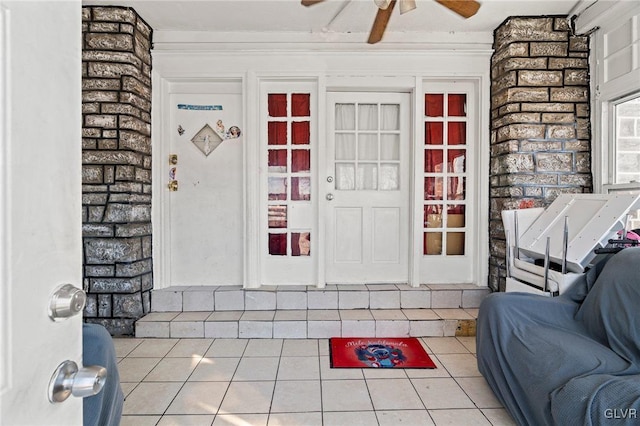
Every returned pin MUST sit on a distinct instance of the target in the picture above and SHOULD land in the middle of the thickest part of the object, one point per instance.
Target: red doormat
(375, 352)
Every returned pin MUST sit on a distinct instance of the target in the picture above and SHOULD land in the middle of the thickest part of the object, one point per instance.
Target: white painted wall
(615, 71)
(181, 61)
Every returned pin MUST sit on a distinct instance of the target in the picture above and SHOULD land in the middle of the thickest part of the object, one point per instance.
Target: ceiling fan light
(382, 4)
(407, 6)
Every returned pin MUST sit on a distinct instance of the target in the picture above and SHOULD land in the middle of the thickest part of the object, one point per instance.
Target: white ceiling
(289, 16)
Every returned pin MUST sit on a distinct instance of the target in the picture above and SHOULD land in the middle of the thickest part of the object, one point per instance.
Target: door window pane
(367, 177)
(300, 133)
(390, 115)
(300, 188)
(300, 243)
(433, 160)
(457, 105)
(278, 160)
(432, 243)
(345, 176)
(368, 117)
(456, 188)
(278, 244)
(457, 133)
(300, 105)
(345, 117)
(455, 217)
(390, 147)
(455, 243)
(300, 160)
(434, 105)
(277, 133)
(345, 146)
(368, 147)
(433, 133)
(277, 216)
(277, 104)
(627, 141)
(433, 187)
(389, 177)
(277, 188)
(456, 162)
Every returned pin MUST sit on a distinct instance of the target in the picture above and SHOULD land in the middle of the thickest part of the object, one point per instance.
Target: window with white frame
(626, 144)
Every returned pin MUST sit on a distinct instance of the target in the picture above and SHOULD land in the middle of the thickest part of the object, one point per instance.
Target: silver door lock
(69, 380)
(66, 302)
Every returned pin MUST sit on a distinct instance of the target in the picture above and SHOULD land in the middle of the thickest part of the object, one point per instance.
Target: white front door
(40, 204)
(367, 187)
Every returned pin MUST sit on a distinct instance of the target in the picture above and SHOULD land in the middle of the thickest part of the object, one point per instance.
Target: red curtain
(278, 244)
(300, 105)
(300, 134)
(277, 133)
(277, 104)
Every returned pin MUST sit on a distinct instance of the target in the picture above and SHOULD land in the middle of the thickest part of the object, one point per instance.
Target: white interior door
(367, 187)
(205, 227)
(40, 210)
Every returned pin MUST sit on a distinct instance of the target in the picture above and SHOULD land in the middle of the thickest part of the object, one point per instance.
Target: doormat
(376, 352)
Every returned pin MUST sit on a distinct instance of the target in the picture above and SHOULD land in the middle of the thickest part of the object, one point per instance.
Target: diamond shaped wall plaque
(207, 140)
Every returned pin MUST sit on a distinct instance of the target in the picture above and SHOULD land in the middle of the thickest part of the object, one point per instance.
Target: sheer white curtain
(360, 148)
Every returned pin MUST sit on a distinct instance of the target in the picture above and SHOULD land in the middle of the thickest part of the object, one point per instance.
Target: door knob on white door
(68, 380)
(66, 302)
(329, 197)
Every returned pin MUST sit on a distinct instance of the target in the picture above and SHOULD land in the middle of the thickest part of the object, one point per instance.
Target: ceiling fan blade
(310, 2)
(380, 23)
(464, 8)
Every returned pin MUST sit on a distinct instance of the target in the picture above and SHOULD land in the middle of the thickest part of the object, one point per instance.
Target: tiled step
(372, 296)
(308, 312)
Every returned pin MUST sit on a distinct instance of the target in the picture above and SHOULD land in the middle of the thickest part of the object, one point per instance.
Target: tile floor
(288, 382)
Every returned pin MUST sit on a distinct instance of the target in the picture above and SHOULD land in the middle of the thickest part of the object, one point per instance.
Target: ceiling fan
(464, 8)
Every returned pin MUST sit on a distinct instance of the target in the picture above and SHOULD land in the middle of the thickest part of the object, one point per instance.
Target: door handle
(66, 302)
(329, 197)
(69, 380)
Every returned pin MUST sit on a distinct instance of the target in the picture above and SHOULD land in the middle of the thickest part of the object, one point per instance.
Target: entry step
(303, 324)
(332, 297)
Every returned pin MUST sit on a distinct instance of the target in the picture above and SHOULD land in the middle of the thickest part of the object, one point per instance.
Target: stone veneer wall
(116, 170)
(540, 135)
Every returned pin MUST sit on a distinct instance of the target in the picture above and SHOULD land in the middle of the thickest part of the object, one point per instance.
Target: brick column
(540, 135)
(116, 171)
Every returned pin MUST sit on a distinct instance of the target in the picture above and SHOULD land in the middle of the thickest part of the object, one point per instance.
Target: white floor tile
(215, 370)
(358, 328)
(124, 346)
(187, 348)
(153, 348)
(139, 420)
(241, 420)
(392, 328)
(181, 329)
(419, 373)
(290, 329)
(479, 392)
(323, 329)
(306, 347)
(227, 348)
(460, 365)
(469, 343)
(498, 417)
(404, 417)
(438, 393)
(459, 417)
(352, 418)
(345, 395)
(172, 370)
(135, 369)
(186, 420)
(445, 345)
(254, 368)
(291, 396)
(150, 398)
(295, 419)
(198, 398)
(403, 396)
(221, 330)
(262, 347)
(248, 397)
(299, 368)
(255, 329)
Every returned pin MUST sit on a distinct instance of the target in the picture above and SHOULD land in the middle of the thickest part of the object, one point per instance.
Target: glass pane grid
(445, 172)
(289, 170)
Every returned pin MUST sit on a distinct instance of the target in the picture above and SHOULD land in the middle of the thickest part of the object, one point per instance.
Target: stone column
(540, 134)
(116, 171)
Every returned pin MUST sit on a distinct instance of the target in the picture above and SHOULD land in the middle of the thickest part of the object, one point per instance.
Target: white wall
(178, 60)
(615, 71)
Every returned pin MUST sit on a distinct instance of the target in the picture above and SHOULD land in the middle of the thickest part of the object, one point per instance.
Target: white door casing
(367, 187)
(40, 204)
